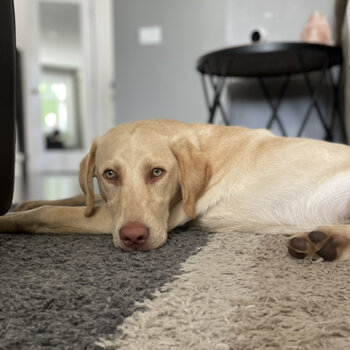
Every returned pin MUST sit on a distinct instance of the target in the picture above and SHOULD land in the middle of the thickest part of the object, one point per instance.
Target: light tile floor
(46, 187)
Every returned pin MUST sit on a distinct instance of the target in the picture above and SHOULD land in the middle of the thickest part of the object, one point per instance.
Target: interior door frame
(98, 107)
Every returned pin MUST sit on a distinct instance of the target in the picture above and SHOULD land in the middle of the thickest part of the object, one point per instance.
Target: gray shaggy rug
(199, 291)
(68, 291)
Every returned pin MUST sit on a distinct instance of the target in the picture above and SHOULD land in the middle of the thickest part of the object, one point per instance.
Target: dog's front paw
(327, 245)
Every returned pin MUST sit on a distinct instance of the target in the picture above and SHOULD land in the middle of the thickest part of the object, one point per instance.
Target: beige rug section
(243, 291)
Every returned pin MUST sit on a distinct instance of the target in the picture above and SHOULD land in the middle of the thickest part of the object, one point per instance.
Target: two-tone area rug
(199, 291)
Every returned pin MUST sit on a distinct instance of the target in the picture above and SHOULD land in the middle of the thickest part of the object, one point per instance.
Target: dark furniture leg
(20, 116)
(7, 103)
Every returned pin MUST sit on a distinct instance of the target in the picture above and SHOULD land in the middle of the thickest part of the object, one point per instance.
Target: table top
(269, 59)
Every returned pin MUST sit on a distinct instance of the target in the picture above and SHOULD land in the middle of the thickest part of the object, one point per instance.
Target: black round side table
(275, 59)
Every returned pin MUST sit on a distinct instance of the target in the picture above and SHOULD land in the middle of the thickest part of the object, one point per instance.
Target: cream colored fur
(225, 178)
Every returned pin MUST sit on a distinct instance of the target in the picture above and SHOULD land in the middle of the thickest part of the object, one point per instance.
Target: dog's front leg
(177, 216)
(71, 202)
(56, 219)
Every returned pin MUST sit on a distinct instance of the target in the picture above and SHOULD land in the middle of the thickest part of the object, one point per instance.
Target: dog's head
(143, 170)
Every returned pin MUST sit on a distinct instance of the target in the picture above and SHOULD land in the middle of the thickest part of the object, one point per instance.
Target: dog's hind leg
(328, 242)
(72, 202)
(58, 219)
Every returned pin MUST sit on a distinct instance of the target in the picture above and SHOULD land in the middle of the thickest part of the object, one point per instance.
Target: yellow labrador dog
(158, 174)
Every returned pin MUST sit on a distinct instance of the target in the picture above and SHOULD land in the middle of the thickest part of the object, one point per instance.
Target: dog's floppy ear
(86, 175)
(195, 173)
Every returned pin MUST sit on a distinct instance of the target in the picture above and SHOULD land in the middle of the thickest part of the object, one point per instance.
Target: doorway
(67, 100)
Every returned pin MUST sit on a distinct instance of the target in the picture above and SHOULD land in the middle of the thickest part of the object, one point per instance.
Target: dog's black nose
(134, 235)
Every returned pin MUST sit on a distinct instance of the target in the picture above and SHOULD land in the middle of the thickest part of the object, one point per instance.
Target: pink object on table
(318, 30)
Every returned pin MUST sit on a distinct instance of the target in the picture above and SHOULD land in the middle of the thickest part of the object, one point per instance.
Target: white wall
(161, 81)
(282, 20)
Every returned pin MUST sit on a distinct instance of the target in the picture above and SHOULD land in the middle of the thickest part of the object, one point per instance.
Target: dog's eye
(110, 174)
(157, 172)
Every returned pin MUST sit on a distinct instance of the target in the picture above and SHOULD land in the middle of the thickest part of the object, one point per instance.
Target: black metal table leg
(275, 106)
(218, 88)
(217, 85)
(314, 94)
(337, 105)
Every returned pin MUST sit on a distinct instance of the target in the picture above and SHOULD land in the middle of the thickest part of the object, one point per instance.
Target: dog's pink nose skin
(134, 235)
